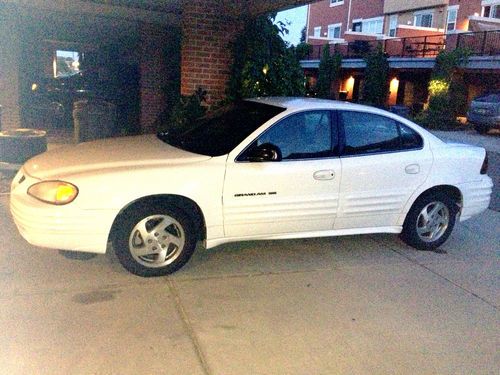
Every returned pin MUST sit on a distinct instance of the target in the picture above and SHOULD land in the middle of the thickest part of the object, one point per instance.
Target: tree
(376, 88)
(328, 72)
(263, 64)
(303, 34)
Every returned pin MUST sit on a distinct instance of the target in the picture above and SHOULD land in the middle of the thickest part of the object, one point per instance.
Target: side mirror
(264, 152)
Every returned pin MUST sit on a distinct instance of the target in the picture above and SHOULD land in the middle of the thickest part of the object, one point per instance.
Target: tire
(154, 239)
(19, 145)
(428, 233)
(481, 129)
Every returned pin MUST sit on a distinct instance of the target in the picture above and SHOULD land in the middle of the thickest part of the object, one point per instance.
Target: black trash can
(19, 145)
(93, 119)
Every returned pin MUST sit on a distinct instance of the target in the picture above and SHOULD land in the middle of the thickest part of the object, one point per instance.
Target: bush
(447, 92)
(376, 88)
(187, 109)
(302, 51)
(328, 72)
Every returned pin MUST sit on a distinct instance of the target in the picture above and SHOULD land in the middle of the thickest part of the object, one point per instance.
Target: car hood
(143, 151)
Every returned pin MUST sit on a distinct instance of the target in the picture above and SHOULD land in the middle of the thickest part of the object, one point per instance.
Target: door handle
(326, 174)
(412, 169)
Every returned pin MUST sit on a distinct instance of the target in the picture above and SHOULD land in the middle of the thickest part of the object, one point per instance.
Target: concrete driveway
(345, 305)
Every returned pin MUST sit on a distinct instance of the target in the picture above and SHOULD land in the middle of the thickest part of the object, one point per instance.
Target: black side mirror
(264, 152)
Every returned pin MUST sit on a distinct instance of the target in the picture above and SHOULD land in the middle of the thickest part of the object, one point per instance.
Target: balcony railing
(479, 43)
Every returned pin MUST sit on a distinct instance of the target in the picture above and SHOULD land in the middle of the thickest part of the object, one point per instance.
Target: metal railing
(479, 43)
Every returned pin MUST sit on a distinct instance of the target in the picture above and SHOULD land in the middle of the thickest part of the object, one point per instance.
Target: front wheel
(154, 240)
(429, 222)
(481, 129)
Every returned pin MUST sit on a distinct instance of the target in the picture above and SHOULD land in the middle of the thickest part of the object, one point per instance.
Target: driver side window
(306, 135)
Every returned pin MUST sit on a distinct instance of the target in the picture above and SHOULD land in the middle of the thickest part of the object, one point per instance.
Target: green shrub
(447, 92)
(328, 72)
(187, 109)
(376, 87)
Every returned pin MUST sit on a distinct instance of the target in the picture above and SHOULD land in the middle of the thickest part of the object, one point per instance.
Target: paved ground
(345, 305)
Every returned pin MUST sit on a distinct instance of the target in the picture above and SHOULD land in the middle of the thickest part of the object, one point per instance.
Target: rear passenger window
(367, 133)
(410, 139)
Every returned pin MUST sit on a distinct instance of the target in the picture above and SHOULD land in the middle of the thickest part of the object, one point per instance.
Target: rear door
(383, 163)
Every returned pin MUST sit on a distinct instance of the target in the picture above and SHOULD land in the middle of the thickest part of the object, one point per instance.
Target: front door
(298, 193)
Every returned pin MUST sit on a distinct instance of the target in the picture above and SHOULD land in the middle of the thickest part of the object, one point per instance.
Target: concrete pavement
(345, 305)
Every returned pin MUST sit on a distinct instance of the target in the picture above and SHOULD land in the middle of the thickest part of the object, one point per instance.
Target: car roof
(298, 103)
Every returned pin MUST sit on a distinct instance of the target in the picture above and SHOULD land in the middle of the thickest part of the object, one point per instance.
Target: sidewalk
(344, 305)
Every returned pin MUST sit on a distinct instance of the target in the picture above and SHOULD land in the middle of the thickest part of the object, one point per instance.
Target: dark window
(489, 98)
(302, 136)
(357, 26)
(220, 133)
(369, 133)
(410, 139)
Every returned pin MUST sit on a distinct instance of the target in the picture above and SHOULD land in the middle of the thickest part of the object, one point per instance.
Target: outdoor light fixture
(394, 85)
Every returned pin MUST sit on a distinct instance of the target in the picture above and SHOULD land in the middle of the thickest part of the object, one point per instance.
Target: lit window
(67, 63)
(451, 21)
(334, 31)
(423, 19)
(317, 32)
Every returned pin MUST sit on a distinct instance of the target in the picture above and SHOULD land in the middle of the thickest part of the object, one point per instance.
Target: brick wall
(322, 14)
(9, 68)
(466, 8)
(156, 69)
(366, 9)
(207, 31)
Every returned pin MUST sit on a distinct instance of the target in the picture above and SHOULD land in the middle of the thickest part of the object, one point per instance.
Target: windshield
(493, 97)
(220, 133)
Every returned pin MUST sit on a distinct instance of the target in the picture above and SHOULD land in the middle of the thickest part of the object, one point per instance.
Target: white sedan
(268, 168)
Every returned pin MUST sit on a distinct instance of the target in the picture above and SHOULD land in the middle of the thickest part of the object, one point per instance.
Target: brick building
(333, 20)
(411, 34)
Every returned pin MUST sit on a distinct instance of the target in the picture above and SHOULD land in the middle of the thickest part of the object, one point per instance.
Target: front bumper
(476, 197)
(59, 227)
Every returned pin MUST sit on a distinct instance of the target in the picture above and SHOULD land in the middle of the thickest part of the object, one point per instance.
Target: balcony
(483, 43)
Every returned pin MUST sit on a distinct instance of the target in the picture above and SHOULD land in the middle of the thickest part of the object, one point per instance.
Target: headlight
(54, 192)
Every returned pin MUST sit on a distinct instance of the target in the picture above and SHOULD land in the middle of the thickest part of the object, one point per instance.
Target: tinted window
(489, 98)
(369, 133)
(410, 139)
(224, 130)
(302, 136)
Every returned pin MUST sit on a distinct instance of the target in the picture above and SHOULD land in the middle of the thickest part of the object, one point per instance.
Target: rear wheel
(154, 239)
(430, 221)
